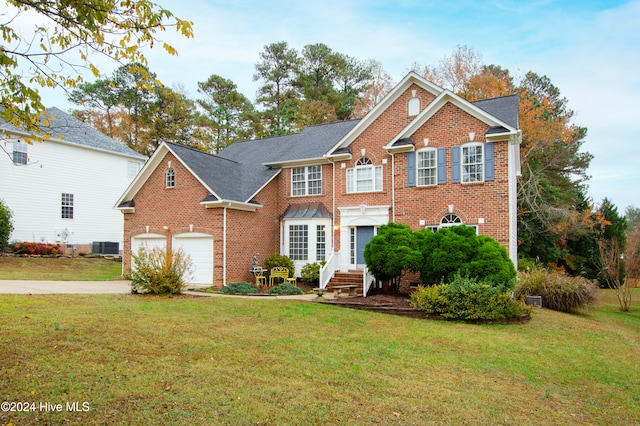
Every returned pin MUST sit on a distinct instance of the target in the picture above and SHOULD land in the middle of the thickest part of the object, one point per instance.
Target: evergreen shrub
(459, 251)
(241, 288)
(6, 225)
(468, 299)
(310, 273)
(285, 289)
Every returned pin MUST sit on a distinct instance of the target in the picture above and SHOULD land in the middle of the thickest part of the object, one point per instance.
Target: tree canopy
(65, 38)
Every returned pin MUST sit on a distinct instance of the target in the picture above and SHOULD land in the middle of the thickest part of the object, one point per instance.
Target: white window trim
(434, 151)
(307, 171)
(312, 239)
(463, 174)
(22, 148)
(170, 183)
(376, 178)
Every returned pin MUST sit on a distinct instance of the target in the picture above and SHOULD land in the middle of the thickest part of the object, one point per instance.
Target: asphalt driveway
(64, 287)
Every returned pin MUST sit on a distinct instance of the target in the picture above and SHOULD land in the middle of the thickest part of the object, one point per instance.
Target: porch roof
(306, 211)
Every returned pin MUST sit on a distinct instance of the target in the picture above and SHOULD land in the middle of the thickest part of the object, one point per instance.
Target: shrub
(6, 225)
(559, 291)
(310, 273)
(458, 250)
(157, 271)
(392, 251)
(468, 299)
(285, 289)
(279, 260)
(242, 288)
(37, 249)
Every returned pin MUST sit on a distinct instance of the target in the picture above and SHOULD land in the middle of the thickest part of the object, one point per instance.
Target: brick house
(423, 157)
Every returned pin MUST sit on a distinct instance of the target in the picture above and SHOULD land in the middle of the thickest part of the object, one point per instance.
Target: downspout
(333, 204)
(224, 246)
(393, 188)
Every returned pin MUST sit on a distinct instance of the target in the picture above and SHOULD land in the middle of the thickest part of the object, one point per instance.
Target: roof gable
(390, 98)
(505, 107)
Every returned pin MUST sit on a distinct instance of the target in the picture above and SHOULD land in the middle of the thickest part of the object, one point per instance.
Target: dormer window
(170, 178)
(364, 177)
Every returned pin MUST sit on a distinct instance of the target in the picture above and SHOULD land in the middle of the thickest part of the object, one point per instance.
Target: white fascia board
(445, 97)
(297, 163)
(391, 97)
(236, 205)
(399, 149)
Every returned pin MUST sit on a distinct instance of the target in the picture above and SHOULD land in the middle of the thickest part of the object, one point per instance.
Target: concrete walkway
(64, 287)
(113, 287)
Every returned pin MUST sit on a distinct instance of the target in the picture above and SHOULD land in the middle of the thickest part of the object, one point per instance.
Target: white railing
(367, 280)
(326, 272)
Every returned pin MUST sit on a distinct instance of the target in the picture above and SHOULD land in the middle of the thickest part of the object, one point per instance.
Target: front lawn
(59, 268)
(214, 360)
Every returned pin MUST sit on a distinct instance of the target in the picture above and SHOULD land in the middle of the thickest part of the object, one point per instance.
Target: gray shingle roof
(504, 108)
(75, 131)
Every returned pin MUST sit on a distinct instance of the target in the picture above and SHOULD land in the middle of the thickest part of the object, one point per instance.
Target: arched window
(364, 177)
(170, 178)
(450, 220)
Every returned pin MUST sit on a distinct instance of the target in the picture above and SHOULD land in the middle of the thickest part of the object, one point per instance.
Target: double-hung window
(472, 163)
(67, 206)
(364, 177)
(426, 167)
(306, 180)
(20, 152)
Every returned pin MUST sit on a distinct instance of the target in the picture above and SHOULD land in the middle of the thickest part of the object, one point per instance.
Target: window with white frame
(20, 152)
(133, 167)
(426, 167)
(67, 206)
(472, 163)
(364, 177)
(299, 242)
(321, 242)
(170, 178)
(306, 180)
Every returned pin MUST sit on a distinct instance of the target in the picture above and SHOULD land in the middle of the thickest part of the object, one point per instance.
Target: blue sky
(589, 49)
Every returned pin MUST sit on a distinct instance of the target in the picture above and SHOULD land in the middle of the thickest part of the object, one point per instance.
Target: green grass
(59, 268)
(215, 360)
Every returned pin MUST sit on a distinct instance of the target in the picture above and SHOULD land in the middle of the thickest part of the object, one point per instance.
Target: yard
(123, 359)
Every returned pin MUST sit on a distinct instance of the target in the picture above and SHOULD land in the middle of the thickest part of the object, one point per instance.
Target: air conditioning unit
(105, 247)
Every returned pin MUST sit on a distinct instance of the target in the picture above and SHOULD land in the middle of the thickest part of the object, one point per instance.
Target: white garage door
(199, 247)
(148, 241)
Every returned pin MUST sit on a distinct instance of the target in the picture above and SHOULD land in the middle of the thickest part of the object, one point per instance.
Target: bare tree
(612, 267)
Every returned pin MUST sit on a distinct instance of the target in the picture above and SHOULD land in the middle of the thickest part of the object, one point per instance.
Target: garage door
(199, 247)
(148, 241)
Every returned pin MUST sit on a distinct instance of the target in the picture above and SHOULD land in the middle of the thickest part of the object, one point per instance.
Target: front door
(364, 234)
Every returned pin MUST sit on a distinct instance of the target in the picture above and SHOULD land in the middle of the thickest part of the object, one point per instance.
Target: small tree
(6, 225)
(612, 269)
(392, 251)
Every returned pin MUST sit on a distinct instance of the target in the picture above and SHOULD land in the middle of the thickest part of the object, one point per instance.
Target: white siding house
(63, 190)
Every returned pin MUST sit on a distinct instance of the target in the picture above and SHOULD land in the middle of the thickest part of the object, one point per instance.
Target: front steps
(347, 278)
